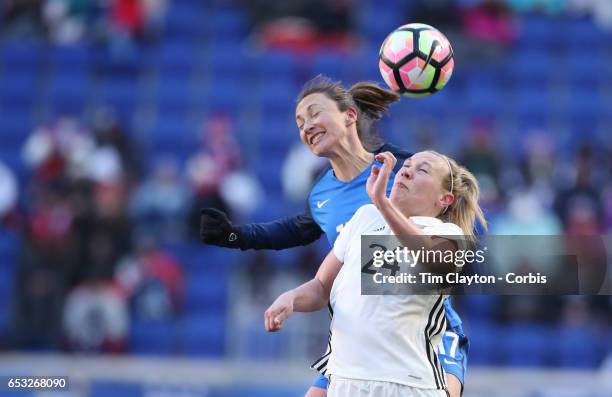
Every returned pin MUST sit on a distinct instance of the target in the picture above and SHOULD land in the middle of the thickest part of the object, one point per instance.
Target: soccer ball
(420, 69)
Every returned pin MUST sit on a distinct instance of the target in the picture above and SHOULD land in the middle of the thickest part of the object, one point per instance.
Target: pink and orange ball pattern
(416, 60)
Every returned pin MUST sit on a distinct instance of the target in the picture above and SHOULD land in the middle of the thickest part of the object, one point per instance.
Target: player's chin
(320, 149)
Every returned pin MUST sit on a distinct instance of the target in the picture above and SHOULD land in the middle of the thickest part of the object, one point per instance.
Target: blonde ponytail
(465, 210)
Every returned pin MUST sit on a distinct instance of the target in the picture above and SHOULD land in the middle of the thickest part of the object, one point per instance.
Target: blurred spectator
(108, 131)
(580, 206)
(526, 214)
(491, 21)
(538, 165)
(480, 156)
(67, 20)
(300, 169)
(218, 155)
(96, 319)
(21, 18)
(303, 26)
(160, 204)
(8, 191)
(601, 10)
(60, 148)
(152, 280)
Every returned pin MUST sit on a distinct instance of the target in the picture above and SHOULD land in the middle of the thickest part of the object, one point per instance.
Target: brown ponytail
(465, 210)
(373, 100)
(368, 98)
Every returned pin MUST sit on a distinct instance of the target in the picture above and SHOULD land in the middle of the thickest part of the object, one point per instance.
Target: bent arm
(308, 297)
(314, 294)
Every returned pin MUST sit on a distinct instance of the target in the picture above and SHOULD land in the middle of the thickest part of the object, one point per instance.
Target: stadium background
(119, 119)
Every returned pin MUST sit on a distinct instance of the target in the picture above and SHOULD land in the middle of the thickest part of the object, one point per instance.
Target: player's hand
(217, 229)
(376, 186)
(278, 312)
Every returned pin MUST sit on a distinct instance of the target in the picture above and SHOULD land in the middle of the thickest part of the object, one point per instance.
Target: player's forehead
(427, 158)
(313, 101)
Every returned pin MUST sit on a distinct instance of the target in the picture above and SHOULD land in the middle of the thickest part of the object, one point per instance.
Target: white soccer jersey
(388, 338)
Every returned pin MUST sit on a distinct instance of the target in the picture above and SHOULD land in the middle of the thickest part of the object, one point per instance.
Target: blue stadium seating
(108, 388)
(22, 57)
(18, 91)
(579, 347)
(525, 346)
(206, 293)
(154, 337)
(203, 335)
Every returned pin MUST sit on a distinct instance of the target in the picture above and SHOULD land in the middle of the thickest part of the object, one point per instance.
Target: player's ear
(446, 200)
(350, 116)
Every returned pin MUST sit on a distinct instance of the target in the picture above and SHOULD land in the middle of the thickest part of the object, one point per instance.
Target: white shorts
(344, 387)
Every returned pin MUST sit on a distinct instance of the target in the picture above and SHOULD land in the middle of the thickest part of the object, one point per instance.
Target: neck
(350, 161)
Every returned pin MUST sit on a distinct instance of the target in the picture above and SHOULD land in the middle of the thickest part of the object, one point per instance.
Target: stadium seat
(229, 22)
(487, 341)
(538, 32)
(121, 94)
(75, 58)
(206, 293)
(585, 36)
(22, 57)
(333, 65)
(173, 136)
(274, 65)
(154, 337)
(176, 57)
(99, 388)
(175, 96)
(525, 345)
(15, 127)
(532, 68)
(184, 21)
(579, 347)
(68, 94)
(18, 91)
(203, 335)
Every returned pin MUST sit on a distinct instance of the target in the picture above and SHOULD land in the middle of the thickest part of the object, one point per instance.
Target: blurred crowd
(94, 218)
(69, 21)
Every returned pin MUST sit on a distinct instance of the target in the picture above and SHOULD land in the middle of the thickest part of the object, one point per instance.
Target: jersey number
(453, 346)
(369, 268)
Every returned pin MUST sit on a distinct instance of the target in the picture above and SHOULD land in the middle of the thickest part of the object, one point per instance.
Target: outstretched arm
(217, 229)
(308, 297)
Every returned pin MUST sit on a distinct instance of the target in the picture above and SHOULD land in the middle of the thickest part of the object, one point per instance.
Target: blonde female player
(385, 345)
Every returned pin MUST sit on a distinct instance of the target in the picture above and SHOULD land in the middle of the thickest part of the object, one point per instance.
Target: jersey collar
(425, 221)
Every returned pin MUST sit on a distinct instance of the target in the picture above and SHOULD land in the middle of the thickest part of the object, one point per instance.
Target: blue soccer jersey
(333, 202)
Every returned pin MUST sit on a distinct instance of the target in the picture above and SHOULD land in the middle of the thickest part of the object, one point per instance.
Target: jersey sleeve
(449, 231)
(280, 234)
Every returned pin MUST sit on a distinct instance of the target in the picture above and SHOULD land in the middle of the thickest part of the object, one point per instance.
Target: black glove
(217, 229)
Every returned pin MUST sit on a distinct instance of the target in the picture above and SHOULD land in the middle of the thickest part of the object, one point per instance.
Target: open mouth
(314, 139)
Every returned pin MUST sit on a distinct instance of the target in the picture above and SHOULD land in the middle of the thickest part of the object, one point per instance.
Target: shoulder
(435, 226)
(366, 211)
(365, 218)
